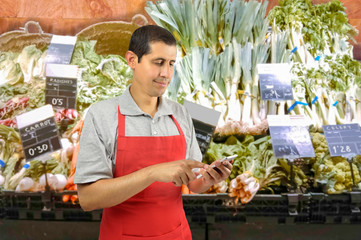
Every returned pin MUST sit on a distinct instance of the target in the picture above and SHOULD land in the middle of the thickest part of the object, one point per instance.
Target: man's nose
(166, 71)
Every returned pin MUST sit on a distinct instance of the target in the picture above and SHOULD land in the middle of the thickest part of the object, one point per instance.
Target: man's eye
(159, 63)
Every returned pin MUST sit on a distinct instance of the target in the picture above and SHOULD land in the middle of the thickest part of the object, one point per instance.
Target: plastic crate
(217, 208)
(195, 206)
(2, 210)
(203, 209)
(337, 208)
(44, 206)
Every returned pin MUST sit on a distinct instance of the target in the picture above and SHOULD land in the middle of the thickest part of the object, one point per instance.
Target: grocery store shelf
(211, 216)
(201, 208)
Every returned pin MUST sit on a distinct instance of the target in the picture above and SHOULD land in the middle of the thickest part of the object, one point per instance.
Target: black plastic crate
(201, 208)
(2, 210)
(336, 208)
(45, 206)
(216, 208)
(195, 206)
(22, 200)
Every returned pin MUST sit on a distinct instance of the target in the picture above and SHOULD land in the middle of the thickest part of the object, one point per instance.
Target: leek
(234, 106)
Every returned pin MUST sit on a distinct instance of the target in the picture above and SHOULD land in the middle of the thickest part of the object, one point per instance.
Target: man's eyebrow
(162, 59)
(158, 59)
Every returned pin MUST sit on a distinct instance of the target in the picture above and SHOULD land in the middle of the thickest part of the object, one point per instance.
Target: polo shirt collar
(128, 106)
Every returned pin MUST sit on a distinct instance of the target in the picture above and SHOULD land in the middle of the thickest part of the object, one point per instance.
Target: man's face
(154, 72)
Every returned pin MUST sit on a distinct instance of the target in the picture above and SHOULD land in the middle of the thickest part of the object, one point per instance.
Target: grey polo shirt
(97, 152)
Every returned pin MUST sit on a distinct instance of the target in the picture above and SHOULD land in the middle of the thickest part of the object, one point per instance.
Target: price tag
(205, 121)
(343, 140)
(275, 81)
(61, 49)
(287, 120)
(290, 136)
(38, 132)
(61, 85)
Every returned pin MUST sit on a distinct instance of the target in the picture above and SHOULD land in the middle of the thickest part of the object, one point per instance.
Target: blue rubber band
(314, 100)
(294, 50)
(295, 104)
(26, 166)
(335, 104)
(2, 163)
(317, 58)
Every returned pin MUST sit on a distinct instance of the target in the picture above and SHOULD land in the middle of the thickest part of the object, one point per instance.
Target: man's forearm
(106, 193)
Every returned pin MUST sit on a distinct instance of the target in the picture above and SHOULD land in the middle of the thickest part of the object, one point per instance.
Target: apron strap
(121, 123)
(178, 127)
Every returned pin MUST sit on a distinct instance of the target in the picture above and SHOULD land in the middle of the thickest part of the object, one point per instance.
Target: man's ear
(131, 58)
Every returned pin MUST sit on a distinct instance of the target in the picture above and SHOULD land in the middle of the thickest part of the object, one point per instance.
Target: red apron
(156, 212)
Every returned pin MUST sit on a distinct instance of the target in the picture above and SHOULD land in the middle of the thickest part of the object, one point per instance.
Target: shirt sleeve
(92, 163)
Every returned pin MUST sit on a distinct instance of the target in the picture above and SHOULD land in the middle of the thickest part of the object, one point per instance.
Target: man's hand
(179, 172)
(220, 172)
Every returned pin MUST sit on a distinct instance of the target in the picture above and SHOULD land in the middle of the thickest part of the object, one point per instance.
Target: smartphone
(229, 158)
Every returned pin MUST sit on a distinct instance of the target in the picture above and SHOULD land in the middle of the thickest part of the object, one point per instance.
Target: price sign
(275, 82)
(205, 121)
(290, 137)
(343, 140)
(38, 132)
(61, 85)
(61, 49)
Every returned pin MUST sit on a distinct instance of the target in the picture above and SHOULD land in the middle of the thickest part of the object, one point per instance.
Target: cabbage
(100, 77)
(10, 71)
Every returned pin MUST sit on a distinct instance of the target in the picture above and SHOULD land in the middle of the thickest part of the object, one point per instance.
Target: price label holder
(275, 81)
(344, 140)
(290, 138)
(60, 49)
(61, 85)
(205, 121)
(39, 133)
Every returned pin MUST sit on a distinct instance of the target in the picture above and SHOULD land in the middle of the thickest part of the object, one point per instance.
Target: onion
(58, 182)
(25, 184)
(42, 181)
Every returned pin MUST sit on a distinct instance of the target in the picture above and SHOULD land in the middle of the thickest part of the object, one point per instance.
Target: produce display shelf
(288, 208)
(277, 208)
(335, 208)
(46, 205)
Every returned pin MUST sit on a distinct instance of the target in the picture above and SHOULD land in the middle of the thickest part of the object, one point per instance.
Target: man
(137, 150)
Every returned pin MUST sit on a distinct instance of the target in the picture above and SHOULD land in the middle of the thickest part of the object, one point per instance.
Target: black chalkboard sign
(343, 140)
(39, 133)
(291, 142)
(61, 86)
(204, 134)
(275, 82)
(61, 49)
(205, 121)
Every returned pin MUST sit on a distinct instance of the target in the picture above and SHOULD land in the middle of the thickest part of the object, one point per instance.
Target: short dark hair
(143, 36)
